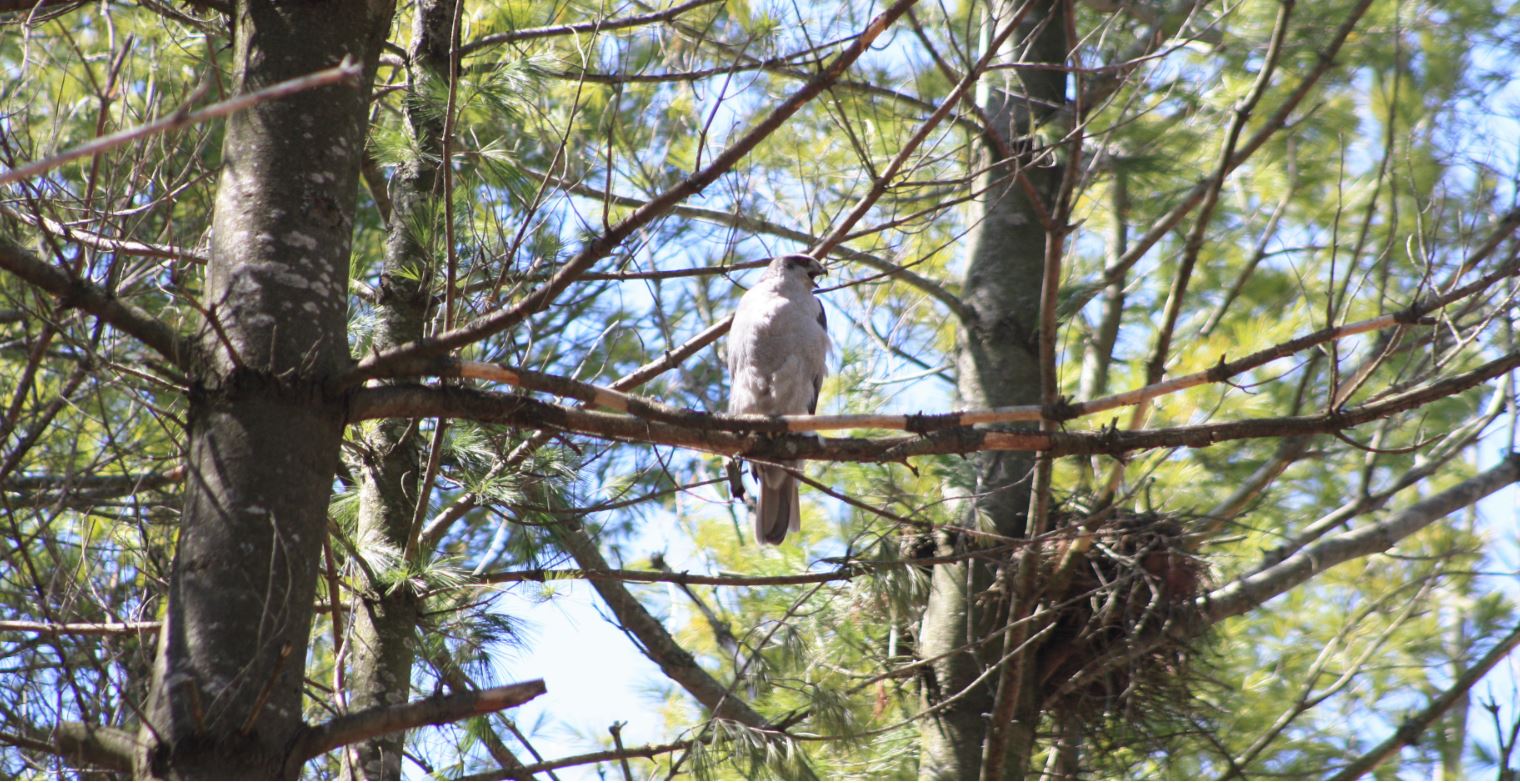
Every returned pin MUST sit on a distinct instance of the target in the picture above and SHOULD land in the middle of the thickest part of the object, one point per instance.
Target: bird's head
(796, 266)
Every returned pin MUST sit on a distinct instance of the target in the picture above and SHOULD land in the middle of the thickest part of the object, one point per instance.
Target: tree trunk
(388, 464)
(264, 430)
(998, 364)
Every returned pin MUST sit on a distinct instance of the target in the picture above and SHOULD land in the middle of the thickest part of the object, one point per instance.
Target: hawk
(777, 349)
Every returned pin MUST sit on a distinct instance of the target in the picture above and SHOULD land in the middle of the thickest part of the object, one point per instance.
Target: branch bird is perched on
(776, 354)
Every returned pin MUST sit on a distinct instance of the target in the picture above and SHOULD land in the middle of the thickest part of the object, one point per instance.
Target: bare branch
(125, 247)
(336, 733)
(652, 577)
(944, 433)
(654, 638)
(1155, 367)
(884, 180)
(646, 751)
(75, 292)
(345, 71)
(614, 399)
(847, 570)
(1269, 127)
(596, 26)
(80, 743)
(1410, 730)
(77, 629)
(1255, 588)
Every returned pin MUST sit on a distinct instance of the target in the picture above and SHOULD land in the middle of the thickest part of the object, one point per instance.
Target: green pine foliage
(1388, 174)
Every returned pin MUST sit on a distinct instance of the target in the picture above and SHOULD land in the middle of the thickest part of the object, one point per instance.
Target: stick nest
(1126, 618)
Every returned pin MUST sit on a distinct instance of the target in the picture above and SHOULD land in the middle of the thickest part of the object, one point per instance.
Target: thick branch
(945, 434)
(39, 491)
(82, 744)
(75, 292)
(390, 362)
(375, 721)
(615, 398)
(1264, 583)
(654, 638)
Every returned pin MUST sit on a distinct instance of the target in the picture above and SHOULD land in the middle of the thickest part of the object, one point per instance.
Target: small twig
(77, 629)
(267, 690)
(617, 741)
(647, 751)
(117, 245)
(595, 26)
(344, 71)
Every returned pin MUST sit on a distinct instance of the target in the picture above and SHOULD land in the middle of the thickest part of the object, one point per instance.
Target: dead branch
(72, 291)
(595, 26)
(646, 751)
(654, 638)
(613, 399)
(82, 744)
(373, 722)
(183, 118)
(770, 438)
(77, 629)
(117, 245)
(847, 570)
(734, 434)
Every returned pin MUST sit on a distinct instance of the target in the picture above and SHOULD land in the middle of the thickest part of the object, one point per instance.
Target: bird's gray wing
(823, 321)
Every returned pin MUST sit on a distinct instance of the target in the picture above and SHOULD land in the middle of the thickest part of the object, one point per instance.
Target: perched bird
(776, 354)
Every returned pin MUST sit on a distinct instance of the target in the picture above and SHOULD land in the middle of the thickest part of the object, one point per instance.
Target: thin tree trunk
(388, 462)
(264, 430)
(998, 364)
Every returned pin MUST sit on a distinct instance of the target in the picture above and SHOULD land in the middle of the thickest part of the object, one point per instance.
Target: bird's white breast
(777, 349)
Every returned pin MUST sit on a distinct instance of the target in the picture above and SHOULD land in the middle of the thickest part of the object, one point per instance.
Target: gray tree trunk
(264, 430)
(998, 364)
(388, 464)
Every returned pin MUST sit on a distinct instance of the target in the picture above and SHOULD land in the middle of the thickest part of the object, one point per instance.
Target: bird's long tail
(777, 510)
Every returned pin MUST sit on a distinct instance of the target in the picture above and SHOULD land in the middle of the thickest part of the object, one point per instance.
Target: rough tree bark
(997, 365)
(264, 430)
(387, 463)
